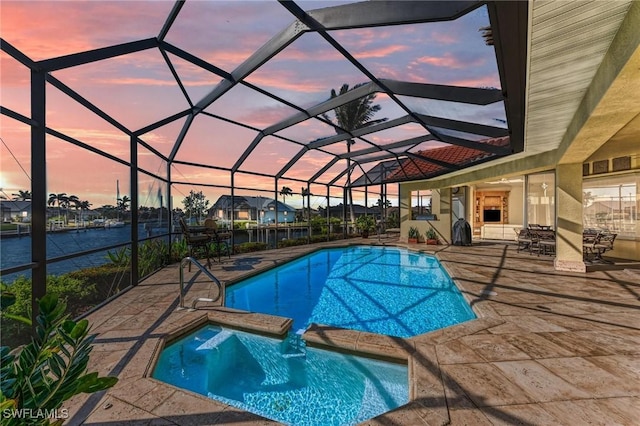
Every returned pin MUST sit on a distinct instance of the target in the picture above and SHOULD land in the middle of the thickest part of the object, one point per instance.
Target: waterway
(16, 251)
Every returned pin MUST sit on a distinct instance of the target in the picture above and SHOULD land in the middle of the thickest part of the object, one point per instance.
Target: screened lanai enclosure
(283, 120)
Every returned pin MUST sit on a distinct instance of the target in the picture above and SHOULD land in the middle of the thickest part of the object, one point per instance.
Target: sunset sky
(139, 89)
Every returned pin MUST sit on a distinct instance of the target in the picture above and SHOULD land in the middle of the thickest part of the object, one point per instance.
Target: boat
(113, 223)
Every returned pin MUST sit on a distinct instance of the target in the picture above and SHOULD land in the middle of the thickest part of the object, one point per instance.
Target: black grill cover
(461, 233)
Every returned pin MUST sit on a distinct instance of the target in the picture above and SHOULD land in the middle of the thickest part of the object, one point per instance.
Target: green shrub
(249, 247)
(106, 280)
(292, 242)
(179, 250)
(120, 257)
(152, 255)
(75, 292)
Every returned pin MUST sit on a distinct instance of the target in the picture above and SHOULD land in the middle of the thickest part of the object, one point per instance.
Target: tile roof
(413, 168)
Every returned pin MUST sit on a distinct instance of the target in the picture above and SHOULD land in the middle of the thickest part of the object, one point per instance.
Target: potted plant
(431, 236)
(365, 224)
(414, 234)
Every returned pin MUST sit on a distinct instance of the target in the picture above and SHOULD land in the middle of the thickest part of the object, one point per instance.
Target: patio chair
(590, 238)
(197, 243)
(524, 240)
(546, 242)
(220, 238)
(603, 244)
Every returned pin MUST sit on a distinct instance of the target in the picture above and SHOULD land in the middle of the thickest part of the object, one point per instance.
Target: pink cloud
(287, 80)
(265, 116)
(480, 81)
(126, 81)
(82, 27)
(446, 61)
(444, 37)
(293, 53)
(381, 52)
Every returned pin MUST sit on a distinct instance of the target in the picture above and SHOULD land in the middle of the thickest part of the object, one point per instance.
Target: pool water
(283, 379)
(384, 290)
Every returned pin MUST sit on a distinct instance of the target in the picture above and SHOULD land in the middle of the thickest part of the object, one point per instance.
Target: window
(541, 199)
(420, 204)
(612, 204)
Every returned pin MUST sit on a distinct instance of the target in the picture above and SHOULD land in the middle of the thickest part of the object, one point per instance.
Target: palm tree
(349, 117)
(22, 195)
(305, 193)
(123, 203)
(74, 201)
(60, 199)
(84, 205)
(285, 192)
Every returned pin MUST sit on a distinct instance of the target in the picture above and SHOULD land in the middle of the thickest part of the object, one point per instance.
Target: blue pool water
(383, 290)
(283, 380)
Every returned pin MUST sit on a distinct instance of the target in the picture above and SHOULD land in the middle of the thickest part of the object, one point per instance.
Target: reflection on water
(17, 251)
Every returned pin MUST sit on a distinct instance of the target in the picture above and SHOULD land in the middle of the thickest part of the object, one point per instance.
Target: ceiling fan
(505, 180)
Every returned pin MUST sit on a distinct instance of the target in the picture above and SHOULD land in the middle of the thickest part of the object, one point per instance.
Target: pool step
(293, 346)
(215, 341)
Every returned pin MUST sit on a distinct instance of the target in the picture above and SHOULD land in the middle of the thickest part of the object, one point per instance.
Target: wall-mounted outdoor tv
(491, 216)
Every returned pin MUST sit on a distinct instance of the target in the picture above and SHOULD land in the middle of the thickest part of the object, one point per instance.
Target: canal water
(15, 251)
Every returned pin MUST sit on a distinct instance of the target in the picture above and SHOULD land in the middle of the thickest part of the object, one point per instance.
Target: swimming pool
(283, 380)
(385, 290)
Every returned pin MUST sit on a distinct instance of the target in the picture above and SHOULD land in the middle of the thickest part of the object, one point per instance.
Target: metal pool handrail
(184, 263)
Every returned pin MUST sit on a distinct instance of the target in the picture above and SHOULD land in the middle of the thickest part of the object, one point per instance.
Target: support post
(38, 191)
(569, 218)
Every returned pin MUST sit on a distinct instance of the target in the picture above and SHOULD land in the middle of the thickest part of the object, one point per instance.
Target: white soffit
(568, 42)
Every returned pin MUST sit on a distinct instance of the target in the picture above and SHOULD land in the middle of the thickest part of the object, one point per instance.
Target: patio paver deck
(549, 347)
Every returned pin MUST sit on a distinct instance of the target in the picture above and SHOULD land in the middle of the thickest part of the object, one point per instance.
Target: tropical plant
(285, 192)
(383, 204)
(366, 223)
(123, 204)
(52, 368)
(74, 201)
(305, 193)
(22, 195)
(120, 257)
(414, 233)
(152, 255)
(16, 302)
(431, 234)
(84, 205)
(349, 117)
(60, 199)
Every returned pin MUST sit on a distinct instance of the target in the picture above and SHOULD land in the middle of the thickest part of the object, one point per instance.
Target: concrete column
(404, 200)
(569, 218)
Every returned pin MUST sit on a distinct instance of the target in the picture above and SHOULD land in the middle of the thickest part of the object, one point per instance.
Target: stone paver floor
(548, 348)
